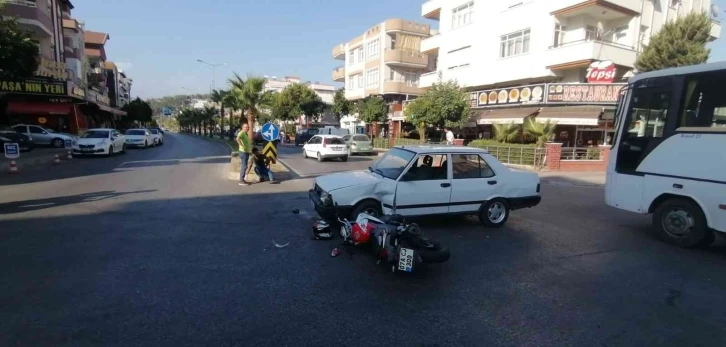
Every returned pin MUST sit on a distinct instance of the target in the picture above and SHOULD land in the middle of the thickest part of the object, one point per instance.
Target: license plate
(337, 149)
(86, 150)
(405, 260)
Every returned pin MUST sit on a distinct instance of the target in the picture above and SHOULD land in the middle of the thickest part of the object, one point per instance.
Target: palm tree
(209, 114)
(252, 96)
(233, 102)
(219, 96)
(540, 131)
(506, 132)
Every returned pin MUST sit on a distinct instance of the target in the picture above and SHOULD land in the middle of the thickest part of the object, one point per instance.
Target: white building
(506, 50)
(324, 91)
(386, 61)
(124, 88)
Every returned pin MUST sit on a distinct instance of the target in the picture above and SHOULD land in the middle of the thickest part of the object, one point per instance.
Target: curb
(46, 160)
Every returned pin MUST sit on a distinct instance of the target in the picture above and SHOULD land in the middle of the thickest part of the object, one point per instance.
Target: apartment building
(384, 61)
(124, 88)
(543, 57)
(326, 93)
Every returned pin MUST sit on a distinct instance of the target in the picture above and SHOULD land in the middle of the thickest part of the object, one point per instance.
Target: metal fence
(527, 156)
(581, 153)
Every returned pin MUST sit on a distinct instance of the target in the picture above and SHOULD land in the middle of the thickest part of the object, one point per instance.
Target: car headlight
(326, 198)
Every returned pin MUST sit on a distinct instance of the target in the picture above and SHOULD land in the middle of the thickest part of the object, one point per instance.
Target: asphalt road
(292, 157)
(156, 248)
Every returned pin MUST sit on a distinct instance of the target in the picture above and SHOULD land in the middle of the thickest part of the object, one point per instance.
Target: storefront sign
(42, 120)
(584, 93)
(510, 96)
(78, 92)
(601, 72)
(95, 96)
(473, 99)
(32, 86)
(60, 100)
(52, 69)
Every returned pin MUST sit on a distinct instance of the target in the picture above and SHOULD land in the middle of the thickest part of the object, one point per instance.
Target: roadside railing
(581, 153)
(527, 156)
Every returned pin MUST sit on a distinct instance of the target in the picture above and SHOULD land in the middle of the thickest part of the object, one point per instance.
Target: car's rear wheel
(58, 143)
(494, 213)
(123, 149)
(344, 159)
(320, 157)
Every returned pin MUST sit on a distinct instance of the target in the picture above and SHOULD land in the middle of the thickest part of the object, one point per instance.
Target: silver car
(43, 136)
(358, 143)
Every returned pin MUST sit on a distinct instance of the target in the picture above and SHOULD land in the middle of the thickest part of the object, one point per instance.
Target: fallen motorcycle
(393, 240)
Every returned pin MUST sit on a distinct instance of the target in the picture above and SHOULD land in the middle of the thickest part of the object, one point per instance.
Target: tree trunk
(221, 123)
(251, 122)
(421, 132)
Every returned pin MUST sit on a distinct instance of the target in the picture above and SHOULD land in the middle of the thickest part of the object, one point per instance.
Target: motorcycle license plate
(405, 260)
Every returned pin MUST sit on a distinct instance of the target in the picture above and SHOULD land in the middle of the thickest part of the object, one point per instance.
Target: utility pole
(214, 67)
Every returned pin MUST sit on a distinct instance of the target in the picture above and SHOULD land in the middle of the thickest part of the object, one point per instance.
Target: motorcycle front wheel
(430, 251)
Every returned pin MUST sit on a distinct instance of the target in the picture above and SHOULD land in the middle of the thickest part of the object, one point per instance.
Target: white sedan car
(429, 180)
(158, 136)
(140, 138)
(100, 142)
(326, 147)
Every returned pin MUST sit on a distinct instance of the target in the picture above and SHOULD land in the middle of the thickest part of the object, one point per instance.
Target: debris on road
(296, 211)
(280, 245)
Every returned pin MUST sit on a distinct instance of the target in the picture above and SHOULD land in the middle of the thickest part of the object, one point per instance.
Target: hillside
(175, 102)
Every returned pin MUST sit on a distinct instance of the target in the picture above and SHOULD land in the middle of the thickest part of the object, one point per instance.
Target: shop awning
(38, 108)
(576, 115)
(505, 115)
(111, 110)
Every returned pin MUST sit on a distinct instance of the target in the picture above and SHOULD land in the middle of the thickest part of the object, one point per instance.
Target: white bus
(669, 153)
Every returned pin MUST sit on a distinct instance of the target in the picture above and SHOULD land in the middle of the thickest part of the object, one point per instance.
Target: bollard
(13, 167)
(56, 161)
(69, 156)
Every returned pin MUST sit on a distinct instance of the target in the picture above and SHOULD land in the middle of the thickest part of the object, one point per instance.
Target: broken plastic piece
(279, 245)
(335, 252)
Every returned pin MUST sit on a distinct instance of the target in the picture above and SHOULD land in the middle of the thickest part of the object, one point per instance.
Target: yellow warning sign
(270, 151)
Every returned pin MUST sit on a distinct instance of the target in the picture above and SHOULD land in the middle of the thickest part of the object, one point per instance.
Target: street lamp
(214, 67)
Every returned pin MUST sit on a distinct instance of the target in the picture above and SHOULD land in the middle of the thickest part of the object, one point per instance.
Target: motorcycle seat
(391, 218)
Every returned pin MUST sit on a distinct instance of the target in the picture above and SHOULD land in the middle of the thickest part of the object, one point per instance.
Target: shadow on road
(39, 204)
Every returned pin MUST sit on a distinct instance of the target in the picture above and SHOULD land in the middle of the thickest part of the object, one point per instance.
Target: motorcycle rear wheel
(436, 253)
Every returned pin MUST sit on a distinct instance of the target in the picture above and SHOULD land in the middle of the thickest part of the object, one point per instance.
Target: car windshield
(154, 131)
(360, 138)
(49, 130)
(393, 163)
(334, 141)
(135, 132)
(95, 134)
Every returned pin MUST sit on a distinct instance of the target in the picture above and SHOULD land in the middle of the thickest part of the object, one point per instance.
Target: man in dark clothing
(262, 165)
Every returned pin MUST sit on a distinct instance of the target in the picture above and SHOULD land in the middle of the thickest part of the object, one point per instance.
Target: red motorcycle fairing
(361, 231)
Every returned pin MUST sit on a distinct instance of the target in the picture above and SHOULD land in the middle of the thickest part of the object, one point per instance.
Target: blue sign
(12, 150)
(270, 132)
(68, 144)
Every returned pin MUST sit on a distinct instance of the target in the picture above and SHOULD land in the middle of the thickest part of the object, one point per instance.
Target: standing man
(245, 149)
(449, 136)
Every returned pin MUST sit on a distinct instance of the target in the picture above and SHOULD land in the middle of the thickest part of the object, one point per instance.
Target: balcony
(715, 29)
(405, 58)
(30, 17)
(431, 9)
(579, 52)
(597, 9)
(339, 52)
(431, 44)
(407, 26)
(398, 87)
(428, 79)
(339, 74)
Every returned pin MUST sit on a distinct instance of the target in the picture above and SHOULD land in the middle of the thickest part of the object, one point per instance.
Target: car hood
(65, 136)
(90, 141)
(340, 180)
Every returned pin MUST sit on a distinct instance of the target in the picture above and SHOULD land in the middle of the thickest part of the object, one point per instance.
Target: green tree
(251, 95)
(341, 105)
(19, 56)
(678, 43)
(295, 100)
(442, 105)
(209, 116)
(542, 132)
(219, 96)
(420, 112)
(373, 110)
(506, 132)
(137, 112)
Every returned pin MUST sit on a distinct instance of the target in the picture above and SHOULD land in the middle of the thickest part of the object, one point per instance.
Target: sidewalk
(589, 179)
(38, 158)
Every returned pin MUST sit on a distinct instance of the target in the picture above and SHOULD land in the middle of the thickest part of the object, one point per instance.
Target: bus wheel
(681, 222)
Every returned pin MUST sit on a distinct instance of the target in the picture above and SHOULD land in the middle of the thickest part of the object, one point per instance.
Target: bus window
(644, 123)
(703, 103)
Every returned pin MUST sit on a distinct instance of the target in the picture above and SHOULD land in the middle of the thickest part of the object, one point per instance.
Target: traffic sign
(12, 150)
(68, 144)
(270, 151)
(270, 132)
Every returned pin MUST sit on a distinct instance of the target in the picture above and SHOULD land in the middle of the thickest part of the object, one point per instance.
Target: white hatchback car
(100, 142)
(326, 147)
(428, 180)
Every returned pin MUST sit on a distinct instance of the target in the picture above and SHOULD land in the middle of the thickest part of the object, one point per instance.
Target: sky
(158, 42)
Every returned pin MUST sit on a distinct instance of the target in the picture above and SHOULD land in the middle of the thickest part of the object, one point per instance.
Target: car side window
(35, 130)
(470, 166)
(21, 129)
(429, 167)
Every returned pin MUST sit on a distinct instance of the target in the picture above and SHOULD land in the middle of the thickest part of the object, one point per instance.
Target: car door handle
(491, 183)
(445, 185)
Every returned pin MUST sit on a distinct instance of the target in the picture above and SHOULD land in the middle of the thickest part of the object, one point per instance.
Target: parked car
(100, 141)
(43, 136)
(429, 180)
(158, 136)
(139, 138)
(326, 147)
(161, 130)
(304, 135)
(358, 144)
(11, 136)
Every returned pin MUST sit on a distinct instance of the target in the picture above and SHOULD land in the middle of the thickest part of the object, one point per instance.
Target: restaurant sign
(97, 97)
(52, 69)
(584, 93)
(33, 86)
(510, 96)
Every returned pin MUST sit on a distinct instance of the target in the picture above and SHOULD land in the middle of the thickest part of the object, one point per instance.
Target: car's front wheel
(110, 151)
(369, 207)
(58, 143)
(494, 213)
(305, 153)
